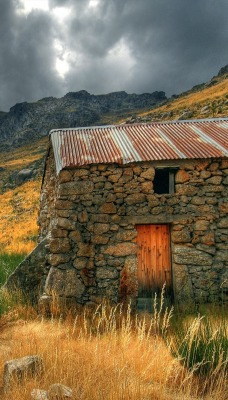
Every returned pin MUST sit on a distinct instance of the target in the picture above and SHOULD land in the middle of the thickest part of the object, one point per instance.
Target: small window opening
(164, 180)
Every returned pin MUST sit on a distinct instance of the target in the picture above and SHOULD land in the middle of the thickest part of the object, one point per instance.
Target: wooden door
(154, 263)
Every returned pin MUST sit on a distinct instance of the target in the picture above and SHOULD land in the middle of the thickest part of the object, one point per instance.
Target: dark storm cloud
(175, 44)
(129, 45)
(27, 64)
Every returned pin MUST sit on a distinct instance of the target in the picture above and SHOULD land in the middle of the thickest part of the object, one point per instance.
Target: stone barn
(125, 209)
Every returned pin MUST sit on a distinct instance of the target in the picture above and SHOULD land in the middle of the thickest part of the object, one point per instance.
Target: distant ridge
(203, 101)
(26, 122)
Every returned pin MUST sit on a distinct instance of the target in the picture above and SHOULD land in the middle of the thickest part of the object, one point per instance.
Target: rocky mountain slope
(26, 122)
(206, 100)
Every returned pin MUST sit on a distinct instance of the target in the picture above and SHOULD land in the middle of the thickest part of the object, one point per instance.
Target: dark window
(164, 180)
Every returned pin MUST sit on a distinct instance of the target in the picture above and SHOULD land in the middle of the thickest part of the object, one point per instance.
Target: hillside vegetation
(209, 100)
(18, 214)
(20, 199)
(30, 156)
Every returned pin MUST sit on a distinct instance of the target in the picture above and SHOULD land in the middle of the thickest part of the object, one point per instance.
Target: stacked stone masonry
(89, 216)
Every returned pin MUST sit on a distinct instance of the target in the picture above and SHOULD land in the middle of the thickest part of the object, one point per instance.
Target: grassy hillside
(20, 202)
(18, 214)
(203, 101)
(12, 162)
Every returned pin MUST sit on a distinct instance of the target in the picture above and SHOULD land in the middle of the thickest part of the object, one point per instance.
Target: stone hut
(125, 209)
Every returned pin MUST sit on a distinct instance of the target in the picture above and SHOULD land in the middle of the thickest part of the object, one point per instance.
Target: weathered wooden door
(154, 263)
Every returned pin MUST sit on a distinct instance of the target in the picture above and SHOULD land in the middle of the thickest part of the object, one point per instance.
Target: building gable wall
(90, 214)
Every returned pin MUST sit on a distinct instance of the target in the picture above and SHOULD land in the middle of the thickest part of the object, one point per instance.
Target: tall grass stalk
(201, 345)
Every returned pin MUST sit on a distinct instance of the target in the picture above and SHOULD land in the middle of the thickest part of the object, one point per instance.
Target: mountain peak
(78, 95)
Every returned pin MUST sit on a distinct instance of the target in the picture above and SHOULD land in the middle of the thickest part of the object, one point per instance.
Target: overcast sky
(51, 47)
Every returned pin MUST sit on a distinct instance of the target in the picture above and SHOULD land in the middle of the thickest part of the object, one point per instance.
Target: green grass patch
(199, 340)
(8, 301)
(8, 263)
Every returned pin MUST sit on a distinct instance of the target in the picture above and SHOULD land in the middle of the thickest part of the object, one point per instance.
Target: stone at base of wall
(30, 275)
(56, 305)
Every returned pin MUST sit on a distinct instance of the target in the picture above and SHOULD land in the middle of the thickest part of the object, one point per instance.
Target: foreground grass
(108, 354)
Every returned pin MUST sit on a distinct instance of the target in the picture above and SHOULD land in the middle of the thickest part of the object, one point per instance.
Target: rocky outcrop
(223, 70)
(59, 392)
(56, 391)
(22, 368)
(23, 175)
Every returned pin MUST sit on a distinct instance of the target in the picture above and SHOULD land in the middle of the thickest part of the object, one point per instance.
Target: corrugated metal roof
(123, 144)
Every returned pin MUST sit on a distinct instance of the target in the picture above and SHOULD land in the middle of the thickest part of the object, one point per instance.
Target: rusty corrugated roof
(140, 142)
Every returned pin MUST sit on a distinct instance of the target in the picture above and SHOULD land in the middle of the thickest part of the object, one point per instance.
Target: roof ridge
(172, 122)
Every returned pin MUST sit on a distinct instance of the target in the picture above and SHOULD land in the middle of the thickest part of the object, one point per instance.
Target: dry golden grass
(20, 163)
(19, 206)
(195, 101)
(115, 366)
(21, 157)
(208, 94)
(101, 355)
(18, 215)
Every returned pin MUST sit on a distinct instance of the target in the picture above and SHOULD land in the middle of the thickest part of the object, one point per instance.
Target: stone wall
(90, 215)
(47, 197)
